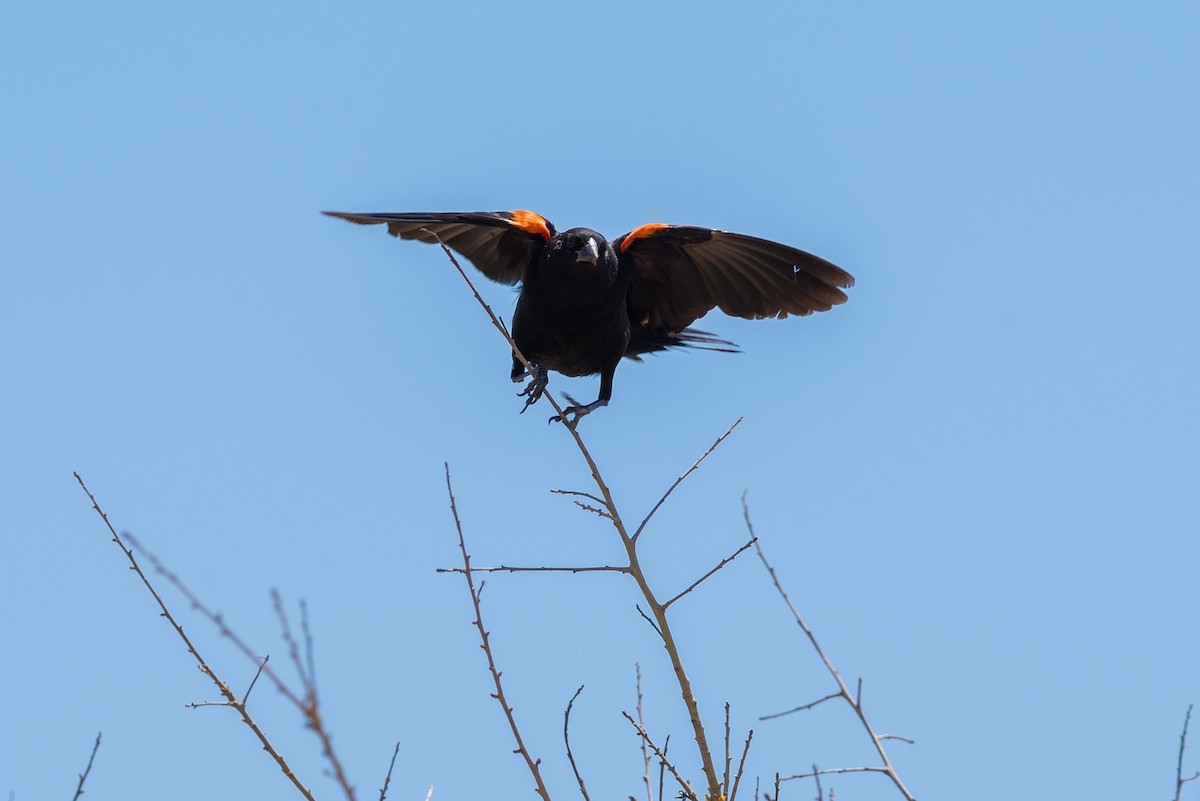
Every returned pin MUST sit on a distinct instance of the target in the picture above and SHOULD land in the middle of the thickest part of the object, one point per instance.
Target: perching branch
(485, 643)
(855, 700)
(657, 609)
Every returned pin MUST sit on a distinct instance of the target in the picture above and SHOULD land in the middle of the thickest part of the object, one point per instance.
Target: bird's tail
(642, 341)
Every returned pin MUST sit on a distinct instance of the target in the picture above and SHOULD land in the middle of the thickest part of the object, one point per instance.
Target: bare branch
(530, 762)
(510, 569)
(567, 740)
(684, 475)
(1180, 780)
(388, 779)
(817, 778)
(700, 580)
(83, 776)
(662, 757)
(897, 737)
(843, 691)
(191, 648)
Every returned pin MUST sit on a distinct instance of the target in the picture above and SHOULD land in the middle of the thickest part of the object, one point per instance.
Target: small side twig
(511, 569)
(388, 778)
(1180, 779)
(703, 578)
(829, 697)
(737, 779)
(567, 740)
(485, 644)
(662, 757)
(728, 759)
(681, 478)
(83, 776)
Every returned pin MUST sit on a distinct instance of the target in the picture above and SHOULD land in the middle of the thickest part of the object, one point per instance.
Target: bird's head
(582, 248)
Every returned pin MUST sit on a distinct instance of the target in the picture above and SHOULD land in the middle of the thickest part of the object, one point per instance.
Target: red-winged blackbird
(586, 302)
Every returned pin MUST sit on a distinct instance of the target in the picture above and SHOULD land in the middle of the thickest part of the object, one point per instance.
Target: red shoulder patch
(532, 222)
(641, 232)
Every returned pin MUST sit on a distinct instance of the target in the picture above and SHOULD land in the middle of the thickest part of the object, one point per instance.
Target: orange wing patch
(641, 232)
(532, 222)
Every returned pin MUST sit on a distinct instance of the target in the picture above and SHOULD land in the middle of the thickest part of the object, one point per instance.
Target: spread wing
(500, 243)
(678, 273)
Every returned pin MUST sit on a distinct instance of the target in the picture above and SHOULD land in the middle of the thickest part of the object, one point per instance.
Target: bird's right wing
(500, 243)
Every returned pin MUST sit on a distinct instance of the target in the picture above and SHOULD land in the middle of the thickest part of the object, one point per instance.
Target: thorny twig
(485, 643)
(855, 700)
(222, 687)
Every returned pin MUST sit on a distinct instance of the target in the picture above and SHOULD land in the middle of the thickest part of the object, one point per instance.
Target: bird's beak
(590, 253)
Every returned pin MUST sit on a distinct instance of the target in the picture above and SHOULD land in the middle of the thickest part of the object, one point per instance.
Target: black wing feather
(678, 273)
(500, 243)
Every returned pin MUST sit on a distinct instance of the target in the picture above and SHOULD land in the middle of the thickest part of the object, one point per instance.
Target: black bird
(585, 302)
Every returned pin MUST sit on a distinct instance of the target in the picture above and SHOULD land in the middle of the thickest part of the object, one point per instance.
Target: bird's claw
(576, 409)
(534, 389)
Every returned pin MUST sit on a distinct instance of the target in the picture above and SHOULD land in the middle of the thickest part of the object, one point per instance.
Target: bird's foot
(572, 414)
(533, 391)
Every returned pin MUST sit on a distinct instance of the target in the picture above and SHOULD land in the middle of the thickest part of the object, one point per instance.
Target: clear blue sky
(979, 477)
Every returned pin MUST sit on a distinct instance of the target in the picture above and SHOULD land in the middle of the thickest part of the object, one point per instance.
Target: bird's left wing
(500, 243)
(677, 273)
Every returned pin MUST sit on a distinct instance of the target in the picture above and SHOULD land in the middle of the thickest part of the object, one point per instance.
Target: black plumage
(586, 302)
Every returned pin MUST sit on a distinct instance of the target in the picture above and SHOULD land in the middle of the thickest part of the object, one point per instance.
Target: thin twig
(485, 643)
(853, 700)
(737, 779)
(833, 771)
(829, 697)
(646, 617)
(510, 569)
(587, 495)
(703, 578)
(567, 740)
(817, 778)
(728, 758)
(662, 766)
(637, 668)
(222, 687)
(662, 757)
(388, 778)
(83, 776)
(684, 475)
(1179, 778)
